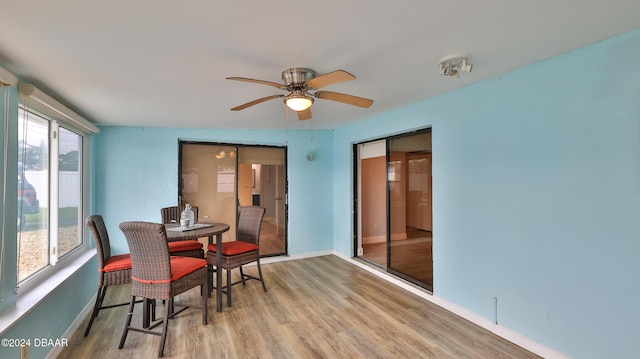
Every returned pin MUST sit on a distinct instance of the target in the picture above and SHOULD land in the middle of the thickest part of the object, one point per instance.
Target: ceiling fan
(300, 81)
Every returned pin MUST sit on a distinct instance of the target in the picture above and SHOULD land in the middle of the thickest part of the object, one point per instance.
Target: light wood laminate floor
(322, 307)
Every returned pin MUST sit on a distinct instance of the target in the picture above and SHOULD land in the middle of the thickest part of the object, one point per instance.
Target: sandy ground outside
(33, 248)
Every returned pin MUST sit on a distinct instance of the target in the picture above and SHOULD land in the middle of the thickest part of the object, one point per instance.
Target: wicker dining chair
(244, 250)
(155, 275)
(189, 248)
(112, 270)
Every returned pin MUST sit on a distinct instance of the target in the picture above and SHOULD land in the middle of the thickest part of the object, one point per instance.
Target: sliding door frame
(356, 203)
(238, 147)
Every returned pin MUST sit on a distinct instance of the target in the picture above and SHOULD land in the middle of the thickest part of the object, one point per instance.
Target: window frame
(16, 303)
(55, 263)
(53, 251)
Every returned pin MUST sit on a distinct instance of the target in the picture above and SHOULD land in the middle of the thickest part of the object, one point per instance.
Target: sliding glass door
(220, 177)
(409, 195)
(393, 199)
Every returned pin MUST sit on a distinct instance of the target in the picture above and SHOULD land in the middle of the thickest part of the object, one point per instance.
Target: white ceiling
(164, 63)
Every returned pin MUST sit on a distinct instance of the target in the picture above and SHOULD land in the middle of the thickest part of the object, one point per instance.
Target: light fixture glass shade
(298, 103)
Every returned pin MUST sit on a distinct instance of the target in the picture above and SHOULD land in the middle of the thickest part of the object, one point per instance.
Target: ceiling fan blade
(304, 114)
(268, 83)
(344, 98)
(255, 102)
(329, 79)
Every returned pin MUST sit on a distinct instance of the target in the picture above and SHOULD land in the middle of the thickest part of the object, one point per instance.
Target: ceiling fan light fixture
(298, 101)
(303, 86)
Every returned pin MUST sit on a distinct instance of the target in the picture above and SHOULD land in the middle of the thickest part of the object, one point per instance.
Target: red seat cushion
(180, 266)
(119, 262)
(234, 247)
(181, 246)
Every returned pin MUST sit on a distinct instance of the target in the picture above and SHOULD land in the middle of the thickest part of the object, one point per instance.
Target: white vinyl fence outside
(68, 187)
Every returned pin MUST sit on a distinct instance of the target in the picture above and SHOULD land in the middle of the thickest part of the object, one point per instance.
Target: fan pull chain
(312, 129)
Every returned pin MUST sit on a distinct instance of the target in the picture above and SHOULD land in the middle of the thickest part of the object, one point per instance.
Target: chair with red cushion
(112, 270)
(155, 275)
(190, 248)
(244, 250)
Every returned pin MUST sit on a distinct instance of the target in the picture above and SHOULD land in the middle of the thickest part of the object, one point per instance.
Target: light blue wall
(536, 194)
(136, 174)
(51, 318)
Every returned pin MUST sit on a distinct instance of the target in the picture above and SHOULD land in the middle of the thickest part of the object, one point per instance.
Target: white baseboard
(503, 332)
(294, 257)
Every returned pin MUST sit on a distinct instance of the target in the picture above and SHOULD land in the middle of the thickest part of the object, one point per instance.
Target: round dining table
(201, 230)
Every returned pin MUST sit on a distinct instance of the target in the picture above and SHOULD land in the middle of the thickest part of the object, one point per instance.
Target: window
(50, 192)
(45, 179)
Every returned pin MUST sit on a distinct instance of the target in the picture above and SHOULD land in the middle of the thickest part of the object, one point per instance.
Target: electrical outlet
(24, 351)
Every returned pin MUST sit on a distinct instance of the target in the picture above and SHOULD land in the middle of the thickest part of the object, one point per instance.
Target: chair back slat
(249, 224)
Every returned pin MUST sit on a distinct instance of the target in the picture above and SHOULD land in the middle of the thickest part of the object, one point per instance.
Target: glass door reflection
(220, 177)
(262, 182)
(409, 240)
(209, 182)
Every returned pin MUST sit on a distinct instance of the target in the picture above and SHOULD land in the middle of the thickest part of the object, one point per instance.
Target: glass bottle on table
(187, 217)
